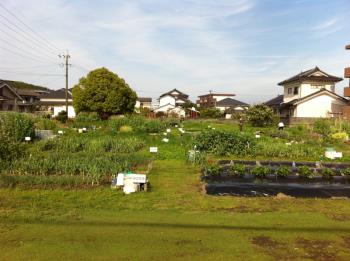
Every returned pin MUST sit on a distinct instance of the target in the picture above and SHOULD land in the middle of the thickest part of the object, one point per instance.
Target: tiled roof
(275, 101)
(144, 99)
(308, 75)
(229, 102)
(57, 94)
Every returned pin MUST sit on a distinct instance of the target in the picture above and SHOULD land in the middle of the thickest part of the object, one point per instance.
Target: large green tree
(261, 115)
(102, 91)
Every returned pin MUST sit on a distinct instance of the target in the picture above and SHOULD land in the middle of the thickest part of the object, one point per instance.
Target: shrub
(16, 126)
(62, 117)
(238, 169)
(87, 117)
(342, 136)
(283, 171)
(322, 127)
(125, 128)
(261, 115)
(138, 124)
(225, 143)
(45, 124)
(305, 172)
(260, 171)
(211, 113)
(327, 173)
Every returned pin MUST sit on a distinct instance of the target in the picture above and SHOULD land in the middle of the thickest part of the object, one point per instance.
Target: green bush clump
(62, 117)
(212, 170)
(211, 113)
(261, 115)
(238, 169)
(225, 143)
(323, 127)
(16, 126)
(87, 117)
(281, 150)
(283, 171)
(260, 171)
(45, 124)
(138, 124)
(346, 172)
(305, 172)
(327, 173)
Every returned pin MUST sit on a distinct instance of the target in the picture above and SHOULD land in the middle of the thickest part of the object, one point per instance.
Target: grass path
(174, 221)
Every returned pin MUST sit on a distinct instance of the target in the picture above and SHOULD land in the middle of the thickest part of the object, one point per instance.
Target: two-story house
(309, 94)
(170, 102)
(221, 101)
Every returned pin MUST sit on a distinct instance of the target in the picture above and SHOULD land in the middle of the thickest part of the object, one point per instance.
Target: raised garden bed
(268, 178)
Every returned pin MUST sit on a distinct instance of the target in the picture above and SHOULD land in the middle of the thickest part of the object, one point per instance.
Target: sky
(243, 47)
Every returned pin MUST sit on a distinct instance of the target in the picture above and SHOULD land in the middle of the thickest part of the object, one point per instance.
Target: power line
(25, 43)
(24, 33)
(25, 51)
(28, 27)
(22, 55)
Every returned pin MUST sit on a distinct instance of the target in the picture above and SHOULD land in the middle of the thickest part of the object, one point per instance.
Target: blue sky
(240, 46)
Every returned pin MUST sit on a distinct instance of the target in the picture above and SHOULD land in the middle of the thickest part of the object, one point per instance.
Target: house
(21, 100)
(346, 109)
(229, 103)
(170, 102)
(143, 102)
(55, 101)
(210, 100)
(309, 94)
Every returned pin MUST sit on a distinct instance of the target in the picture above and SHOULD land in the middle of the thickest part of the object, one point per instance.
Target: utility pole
(66, 64)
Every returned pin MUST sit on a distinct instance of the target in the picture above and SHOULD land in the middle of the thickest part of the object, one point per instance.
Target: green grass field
(174, 221)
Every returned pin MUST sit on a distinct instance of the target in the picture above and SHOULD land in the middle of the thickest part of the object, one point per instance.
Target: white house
(171, 102)
(143, 102)
(309, 94)
(55, 102)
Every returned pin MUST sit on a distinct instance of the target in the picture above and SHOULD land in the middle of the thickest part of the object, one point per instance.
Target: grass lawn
(174, 221)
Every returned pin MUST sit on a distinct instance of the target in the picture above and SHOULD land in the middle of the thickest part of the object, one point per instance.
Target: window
(317, 86)
(290, 90)
(296, 90)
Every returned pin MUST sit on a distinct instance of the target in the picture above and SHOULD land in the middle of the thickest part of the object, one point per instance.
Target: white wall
(57, 109)
(309, 88)
(319, 106)
(166, 99)
(164, 108)
(288, 97)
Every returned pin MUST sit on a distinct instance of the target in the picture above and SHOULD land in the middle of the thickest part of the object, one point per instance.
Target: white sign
(168, 130)
(165, 140)
(153, 149)
(136, 178)
(27, 138)
(120, 179)
(60, 132)
(257, 136)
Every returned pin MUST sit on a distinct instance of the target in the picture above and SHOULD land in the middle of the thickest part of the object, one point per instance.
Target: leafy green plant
(283, 171)
(212, 170)
(327, 173)
(225, 142)
(45, 124)
(305, 172)
(260, 171)
(62, 116)
(87, 117)
(261, 115)
(210, 113)
(346, 172)
(322, 127)
(16, 126)
(238, 169)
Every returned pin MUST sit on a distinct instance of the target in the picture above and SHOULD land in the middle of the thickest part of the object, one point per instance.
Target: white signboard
(27, 138)
(168, 130)
(120, 179)
(136, 178)
(153, 149)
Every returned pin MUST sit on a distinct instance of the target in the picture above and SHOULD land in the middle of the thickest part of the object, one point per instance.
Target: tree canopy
(102, 91)
(261, 115)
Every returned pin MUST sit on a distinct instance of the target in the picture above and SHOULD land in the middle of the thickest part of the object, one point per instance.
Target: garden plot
(267, 178)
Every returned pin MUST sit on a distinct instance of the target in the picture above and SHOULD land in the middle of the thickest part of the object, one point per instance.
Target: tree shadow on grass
(81, 223)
